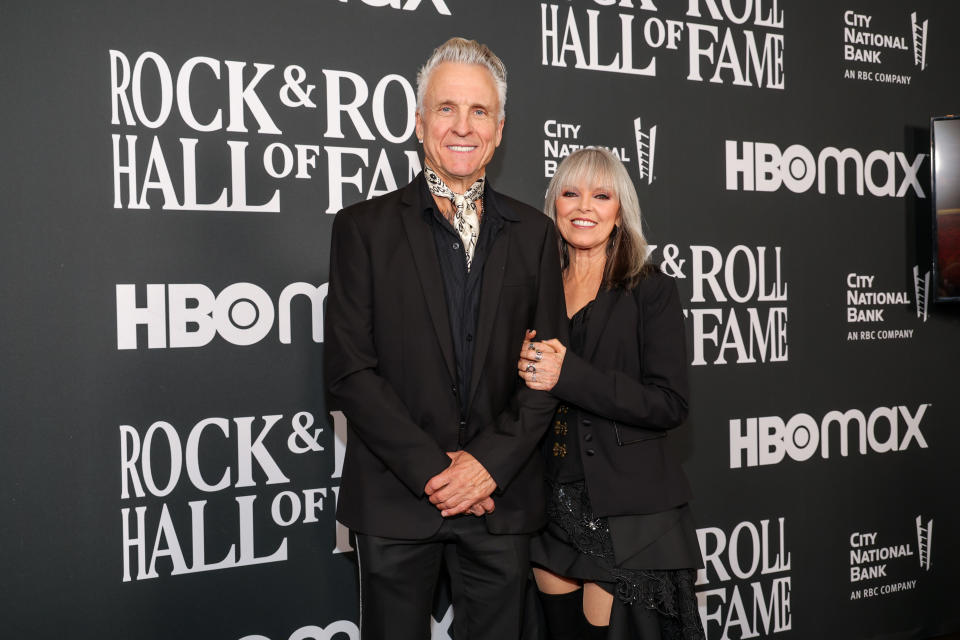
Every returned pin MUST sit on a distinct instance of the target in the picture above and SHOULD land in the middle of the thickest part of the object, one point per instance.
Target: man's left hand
(460, 486)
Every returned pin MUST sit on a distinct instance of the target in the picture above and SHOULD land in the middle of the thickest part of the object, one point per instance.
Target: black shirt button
(590, 452)
(456, 245)
(588, 437)
(469, 337)
(454, 389)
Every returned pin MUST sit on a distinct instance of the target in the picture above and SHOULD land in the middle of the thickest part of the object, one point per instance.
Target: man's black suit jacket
(389, 363)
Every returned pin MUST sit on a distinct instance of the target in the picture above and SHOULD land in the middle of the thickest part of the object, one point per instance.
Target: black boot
(564, 614)
(593, 632)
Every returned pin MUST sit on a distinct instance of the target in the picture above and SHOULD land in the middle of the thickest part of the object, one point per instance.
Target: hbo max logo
(762, 166)
(190, 315)
(770, 439)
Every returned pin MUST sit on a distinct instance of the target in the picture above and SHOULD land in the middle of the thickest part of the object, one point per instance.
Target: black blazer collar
(599, 316)
(420, 236)
(493, 271)
(496, 201)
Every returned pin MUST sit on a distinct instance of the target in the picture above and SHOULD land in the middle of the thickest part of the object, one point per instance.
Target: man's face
(459, 125)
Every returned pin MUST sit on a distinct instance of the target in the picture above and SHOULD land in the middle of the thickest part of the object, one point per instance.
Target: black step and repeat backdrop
(170, 172)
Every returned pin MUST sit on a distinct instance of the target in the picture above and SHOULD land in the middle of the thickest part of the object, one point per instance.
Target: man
(431, 289)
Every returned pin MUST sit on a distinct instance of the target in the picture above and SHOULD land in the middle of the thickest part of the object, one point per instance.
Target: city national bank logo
(190, 315)
(921, 291)
(924, 541)
(763, 166)
(744, 586)
(868, 304)
(864, 304)
(769, 440)
(883, 55)
(919, 30)
(563, 138)
(888, 559)
(739, 43)
(646, 148)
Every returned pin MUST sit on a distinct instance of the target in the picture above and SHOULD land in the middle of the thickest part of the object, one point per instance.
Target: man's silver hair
(463, 51)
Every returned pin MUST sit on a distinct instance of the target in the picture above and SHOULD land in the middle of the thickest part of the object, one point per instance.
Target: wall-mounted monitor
(945, 179)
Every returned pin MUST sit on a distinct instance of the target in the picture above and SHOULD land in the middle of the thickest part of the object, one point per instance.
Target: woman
(618, 557)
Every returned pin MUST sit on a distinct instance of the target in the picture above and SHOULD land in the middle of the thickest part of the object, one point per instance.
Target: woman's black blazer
(631, 388)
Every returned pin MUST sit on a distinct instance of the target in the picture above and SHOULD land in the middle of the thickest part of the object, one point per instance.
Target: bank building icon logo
(924, 541)
(921, 289)
(646, 146)
(919, 33)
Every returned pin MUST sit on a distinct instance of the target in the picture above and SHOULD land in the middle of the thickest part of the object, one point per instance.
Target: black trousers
(488, 574)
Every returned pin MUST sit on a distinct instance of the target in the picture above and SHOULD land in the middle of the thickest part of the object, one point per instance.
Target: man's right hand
(481, 507)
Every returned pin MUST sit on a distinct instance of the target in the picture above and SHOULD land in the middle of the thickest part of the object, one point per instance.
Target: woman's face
(586, 214)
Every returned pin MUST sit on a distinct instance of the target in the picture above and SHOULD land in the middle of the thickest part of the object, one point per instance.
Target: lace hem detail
(669, 592)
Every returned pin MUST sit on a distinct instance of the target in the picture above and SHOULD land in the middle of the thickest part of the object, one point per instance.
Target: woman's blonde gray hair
(627, 248)
(463, 51)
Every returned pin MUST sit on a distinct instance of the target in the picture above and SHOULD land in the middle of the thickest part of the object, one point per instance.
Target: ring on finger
(534, 377)
(530, 347)
(539, 355)
(531, 368)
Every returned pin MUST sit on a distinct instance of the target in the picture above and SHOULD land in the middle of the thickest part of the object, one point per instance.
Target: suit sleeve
(658, 401)
(374, 411)
(508, 443)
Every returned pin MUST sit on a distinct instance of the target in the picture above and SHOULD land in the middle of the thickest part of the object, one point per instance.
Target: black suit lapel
(493, 272)
(599, 316)
(420, 236)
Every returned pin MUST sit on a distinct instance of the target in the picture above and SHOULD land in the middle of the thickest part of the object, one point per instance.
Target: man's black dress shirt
(461, 287)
